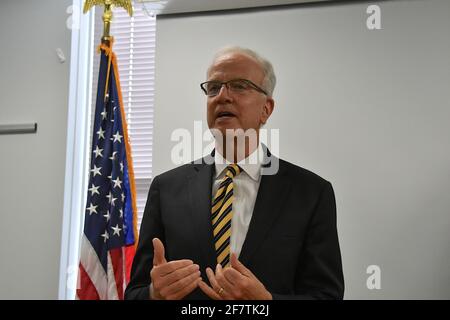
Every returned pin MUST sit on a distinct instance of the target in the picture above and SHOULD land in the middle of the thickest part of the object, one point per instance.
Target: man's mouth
(225, 114)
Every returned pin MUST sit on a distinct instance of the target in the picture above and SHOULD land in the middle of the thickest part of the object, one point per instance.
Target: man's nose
(223, 92)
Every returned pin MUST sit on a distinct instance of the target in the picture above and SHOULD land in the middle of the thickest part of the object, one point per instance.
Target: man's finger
(237, 265)
(180, 285)
(160, 273)
(228, 290)
(173, 266)
(180, 273)
(234, 276)
(216, 287)
(158, 252)
(212, 279)
(186, 290)
(209, 291)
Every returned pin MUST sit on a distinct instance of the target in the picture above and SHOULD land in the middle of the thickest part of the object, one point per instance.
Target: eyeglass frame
(253, 85)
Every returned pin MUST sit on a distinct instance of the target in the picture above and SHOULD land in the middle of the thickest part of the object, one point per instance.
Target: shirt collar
(251, 165)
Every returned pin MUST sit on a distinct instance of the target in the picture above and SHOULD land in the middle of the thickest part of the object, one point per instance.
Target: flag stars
(96, 171)
(98, 152)
(105, 236)
(113, 156)
(101, 133)
(92, 209)
(94, 190)
(117, 137)
(111, 198)
(109, 194)
(107, 216)
(112, 201)
(117, 183)
(116, 230)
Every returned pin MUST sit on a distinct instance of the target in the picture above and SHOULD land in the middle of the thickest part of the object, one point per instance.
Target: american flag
(107, 246)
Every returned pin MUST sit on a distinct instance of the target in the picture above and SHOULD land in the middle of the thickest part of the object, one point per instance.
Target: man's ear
(267, 110)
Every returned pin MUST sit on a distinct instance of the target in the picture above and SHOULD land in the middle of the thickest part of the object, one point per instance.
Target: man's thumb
(237, 265)
(158, 252)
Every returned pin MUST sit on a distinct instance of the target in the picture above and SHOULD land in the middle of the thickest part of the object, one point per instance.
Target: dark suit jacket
(291, 246)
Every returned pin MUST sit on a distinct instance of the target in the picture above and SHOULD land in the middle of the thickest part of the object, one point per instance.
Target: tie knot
(233, 170)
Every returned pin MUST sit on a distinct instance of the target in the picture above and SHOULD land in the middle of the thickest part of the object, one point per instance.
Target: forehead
(235, 65)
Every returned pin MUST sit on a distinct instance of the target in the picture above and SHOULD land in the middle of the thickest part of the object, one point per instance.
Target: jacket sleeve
(151, 227)
(319, 272)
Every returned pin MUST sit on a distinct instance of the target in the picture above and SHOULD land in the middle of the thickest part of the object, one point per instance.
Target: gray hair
(266, 66)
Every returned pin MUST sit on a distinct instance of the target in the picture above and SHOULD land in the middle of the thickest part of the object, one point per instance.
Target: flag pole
(108, 14)
(107, 39)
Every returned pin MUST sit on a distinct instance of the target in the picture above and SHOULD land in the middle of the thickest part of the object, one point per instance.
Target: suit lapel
(271, 194)
(199, 185)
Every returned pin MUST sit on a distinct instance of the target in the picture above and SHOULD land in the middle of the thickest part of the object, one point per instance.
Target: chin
(223, 129)
(223, 125)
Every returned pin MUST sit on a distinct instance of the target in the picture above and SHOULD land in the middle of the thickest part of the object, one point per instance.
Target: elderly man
(228, 228)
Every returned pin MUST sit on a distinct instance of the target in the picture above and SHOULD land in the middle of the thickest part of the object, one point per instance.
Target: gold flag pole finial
(108, 15)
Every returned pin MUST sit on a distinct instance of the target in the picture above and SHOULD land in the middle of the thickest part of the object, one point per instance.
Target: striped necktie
(222, 213)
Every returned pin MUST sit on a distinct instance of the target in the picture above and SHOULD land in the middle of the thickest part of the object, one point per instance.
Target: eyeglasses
(212, 88)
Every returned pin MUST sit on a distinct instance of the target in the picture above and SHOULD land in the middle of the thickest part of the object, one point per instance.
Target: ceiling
(184, 6)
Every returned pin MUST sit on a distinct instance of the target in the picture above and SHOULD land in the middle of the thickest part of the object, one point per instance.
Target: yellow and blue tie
(222, 213)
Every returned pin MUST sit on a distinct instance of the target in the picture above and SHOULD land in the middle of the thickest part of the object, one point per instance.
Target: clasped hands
(174, 280)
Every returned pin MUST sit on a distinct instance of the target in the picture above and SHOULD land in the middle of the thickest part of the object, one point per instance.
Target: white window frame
(76, 149)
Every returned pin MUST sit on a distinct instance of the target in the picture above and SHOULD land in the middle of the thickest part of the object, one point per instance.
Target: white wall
(33, 88)
(368, 110)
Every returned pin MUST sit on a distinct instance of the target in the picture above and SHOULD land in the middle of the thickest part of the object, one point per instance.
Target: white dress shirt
(245, 189)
